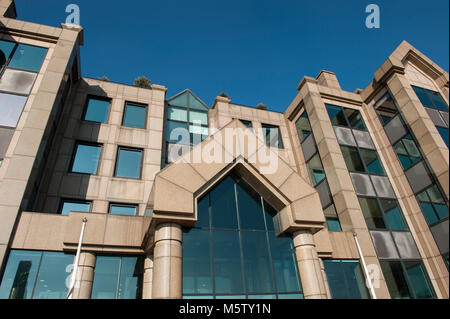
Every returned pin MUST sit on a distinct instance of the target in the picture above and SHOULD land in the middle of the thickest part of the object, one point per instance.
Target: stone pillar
(167, 262)
(308, 262)
(85, 276)
(148, 278)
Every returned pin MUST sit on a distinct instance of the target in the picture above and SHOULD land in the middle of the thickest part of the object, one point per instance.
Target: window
(303, 127)
(431, 98)
(28, 57)
(35, 275)
(123, 209)
(382, 214)
(233, 252)
(372, 162)
(11, 109)
(386, 109)
(68, 206)
(364, 161)
(135, 115)
(97, 109)
(332, 219)
(128, 163)
(443, 131)
(406, 280)
(6, 49)
(355, 119)
(272, 135)
(117, 278)
(248, 124)
(315, 170)
(336, 114)
(352, 159)
(407, 151)
(345, 279)
(433, 205)
(86, 158)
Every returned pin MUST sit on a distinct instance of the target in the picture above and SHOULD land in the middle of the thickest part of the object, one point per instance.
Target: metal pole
(369, 282)
(77, 260)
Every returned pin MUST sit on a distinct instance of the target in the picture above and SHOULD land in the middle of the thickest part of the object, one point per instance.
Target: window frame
(116, 162)
(111, 204)
(269, 127)
(143, 105)
(74, 153)
(63, 200)
(86, 106)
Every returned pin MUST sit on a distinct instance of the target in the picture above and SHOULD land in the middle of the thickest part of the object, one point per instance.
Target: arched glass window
(233, 252)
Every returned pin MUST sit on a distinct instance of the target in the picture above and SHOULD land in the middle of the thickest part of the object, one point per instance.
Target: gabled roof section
(187, 97)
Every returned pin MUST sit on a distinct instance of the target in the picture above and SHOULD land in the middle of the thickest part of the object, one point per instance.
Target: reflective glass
(177, 114)
(258, 268)
(407, 152)
(11, 109)
(135, 116)
(70, 206)
(438, 101)
(106, 278)
(345, 279)
(177, 132)
(194, 103)
(250, 209)
(198, 117)
(130, 281)
(53, 275)
(6, 48)
(228, 275)
(393, 214)
(272, 136)
(303, 127)
(20, 274)
(444, 134)
(418, 279)
(372, 162)
(129, 163)
(355, 119)
(97, 110)
(180, 100)
(203, 212)
(197, 271)
(386, 109)
(352, 159)
(315, 170)
(336, 114)
(423, 96)
(28, 57)
(395, 279)
(333, 224)
(372, 213)
(86, 159)
(123, 210)
(197, 134)
(223, 205)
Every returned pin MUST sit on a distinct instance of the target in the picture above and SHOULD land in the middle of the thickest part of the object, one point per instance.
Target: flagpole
(77, 260)
(369, 282)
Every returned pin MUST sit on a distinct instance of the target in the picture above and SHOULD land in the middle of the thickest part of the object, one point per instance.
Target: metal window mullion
(244, 275)
(274, 278)
(118, 278)
(37, 275)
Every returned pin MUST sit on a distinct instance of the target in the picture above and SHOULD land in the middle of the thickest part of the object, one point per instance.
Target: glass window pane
(418, 280)
(28, 57)
(12, 107)
(6, 48)
(290, 296)
(334, 225)
(52, 279)
(70, 206)
(395, 279)
(194, 103)
(372, 162)
(250, 209)
(177, 132)
(262, 297)
(135, 116)
(303, 127)
(444, 134)
(423, 96)
(180, 100)
(272, 136)
(441, 210)
(429, 213)
(97, 110)
(393, 214)
(176, 114)
(106, 278)
(336, 279)
(198, 117)
(352, 159)
(284, 262)
(315, 170)
(86, 159)
(129, 163)
(130, 281)
(223, 205)
(372, 213)
(355, 119)
(258, 268)
(438, 101)
(356, 283)
(227, 262)
(123, 210)
(386, 109)
(197, 134)
(336, 115)
(203, 212)
(197, 271)
(435, 195)
(20, 274)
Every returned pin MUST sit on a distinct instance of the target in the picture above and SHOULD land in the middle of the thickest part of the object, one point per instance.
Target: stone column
(148, 278)
(309, 266)
(85, 276)
(167, 262)
(325, 279)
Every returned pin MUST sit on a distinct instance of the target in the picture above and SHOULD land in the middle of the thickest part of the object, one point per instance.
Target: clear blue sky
(254, 50)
